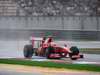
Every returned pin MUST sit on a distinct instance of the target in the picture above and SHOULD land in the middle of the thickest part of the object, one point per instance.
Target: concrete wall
(70, 28)
(51, 23)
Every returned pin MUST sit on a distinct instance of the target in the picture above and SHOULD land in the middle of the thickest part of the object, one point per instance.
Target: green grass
(90, 50)
(49, 64)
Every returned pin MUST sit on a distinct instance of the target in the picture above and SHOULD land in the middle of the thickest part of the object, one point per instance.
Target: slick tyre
(47, 54)
(74, 51)
(35, 52)
(28, 51)
(49, 51)
(70, 55)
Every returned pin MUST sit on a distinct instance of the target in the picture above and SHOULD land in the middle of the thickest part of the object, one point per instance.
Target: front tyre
(28, 51)
(74, 51)
(71, 56)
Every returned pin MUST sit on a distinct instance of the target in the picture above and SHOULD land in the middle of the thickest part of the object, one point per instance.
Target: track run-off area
(6, 69)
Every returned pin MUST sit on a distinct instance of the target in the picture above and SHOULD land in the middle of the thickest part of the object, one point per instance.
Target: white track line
(85, 62)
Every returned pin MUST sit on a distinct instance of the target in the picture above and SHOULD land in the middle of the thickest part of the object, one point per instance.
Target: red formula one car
(46, 47)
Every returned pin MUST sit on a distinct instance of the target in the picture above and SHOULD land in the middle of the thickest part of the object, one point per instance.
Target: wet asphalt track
(14, 49)
(88, 58)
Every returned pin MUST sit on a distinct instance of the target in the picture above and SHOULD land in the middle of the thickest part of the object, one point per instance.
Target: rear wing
(36, 41)
(36, 38)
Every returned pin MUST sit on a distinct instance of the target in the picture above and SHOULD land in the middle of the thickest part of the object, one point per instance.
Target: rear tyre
(35, 52)
(28, 51)
(47, 53)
